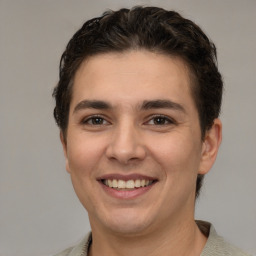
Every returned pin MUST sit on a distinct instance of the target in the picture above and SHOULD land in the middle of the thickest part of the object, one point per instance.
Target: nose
(126, 145)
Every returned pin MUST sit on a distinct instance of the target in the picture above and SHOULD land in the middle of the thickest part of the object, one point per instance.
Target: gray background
(39, 212)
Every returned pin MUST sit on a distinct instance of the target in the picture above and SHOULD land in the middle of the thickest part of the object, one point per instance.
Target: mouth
(126, 185)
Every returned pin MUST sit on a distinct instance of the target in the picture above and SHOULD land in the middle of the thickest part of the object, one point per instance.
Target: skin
(127, 138)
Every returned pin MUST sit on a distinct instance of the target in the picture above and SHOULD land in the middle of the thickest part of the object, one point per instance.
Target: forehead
(131, 76)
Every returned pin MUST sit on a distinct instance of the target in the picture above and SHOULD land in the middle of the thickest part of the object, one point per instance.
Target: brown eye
(97, 120)
(94, 120)
(160, 120)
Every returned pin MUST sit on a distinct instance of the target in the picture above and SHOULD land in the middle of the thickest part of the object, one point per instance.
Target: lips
(129, 184)
(126, 186)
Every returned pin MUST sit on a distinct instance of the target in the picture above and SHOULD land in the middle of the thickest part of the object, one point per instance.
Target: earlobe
(210, 146)
(64, 146)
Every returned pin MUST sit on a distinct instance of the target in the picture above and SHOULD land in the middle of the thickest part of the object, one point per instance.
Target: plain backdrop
(39, 212)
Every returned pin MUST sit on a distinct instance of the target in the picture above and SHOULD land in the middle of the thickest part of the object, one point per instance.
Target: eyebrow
(157, 104)
(94, 104)
(146, 105)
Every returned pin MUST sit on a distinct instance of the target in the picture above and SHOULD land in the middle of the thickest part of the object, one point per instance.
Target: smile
(127, 187)
(120, 184)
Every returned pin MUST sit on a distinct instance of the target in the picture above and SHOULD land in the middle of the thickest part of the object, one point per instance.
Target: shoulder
(79, 249)
(217, 245)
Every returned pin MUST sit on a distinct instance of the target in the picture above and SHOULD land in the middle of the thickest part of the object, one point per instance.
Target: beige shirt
(215, 245)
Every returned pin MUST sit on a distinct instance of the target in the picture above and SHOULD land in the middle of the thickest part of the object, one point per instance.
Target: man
(137, 104)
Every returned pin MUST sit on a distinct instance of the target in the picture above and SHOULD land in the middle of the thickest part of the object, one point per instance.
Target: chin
(125, 222)
(129, 229)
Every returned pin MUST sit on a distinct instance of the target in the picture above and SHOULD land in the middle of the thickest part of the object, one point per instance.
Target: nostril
(125, 145)
(126, 155)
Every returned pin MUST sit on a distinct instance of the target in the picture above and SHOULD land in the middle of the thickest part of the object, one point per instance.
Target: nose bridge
(126, 144)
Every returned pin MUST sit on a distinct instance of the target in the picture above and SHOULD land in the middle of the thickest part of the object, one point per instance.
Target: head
(155, 30)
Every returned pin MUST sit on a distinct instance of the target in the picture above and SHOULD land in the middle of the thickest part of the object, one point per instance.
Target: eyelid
(85, 120)
(167, 118)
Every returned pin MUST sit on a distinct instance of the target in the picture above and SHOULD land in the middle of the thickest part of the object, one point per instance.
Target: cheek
(177, 153)
(84, 154)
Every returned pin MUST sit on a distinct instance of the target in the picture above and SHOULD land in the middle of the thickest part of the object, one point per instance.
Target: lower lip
(126, 194)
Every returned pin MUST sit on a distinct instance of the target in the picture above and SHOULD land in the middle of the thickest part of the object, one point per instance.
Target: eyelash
(89, 120)
(162, 118)
(167, 120)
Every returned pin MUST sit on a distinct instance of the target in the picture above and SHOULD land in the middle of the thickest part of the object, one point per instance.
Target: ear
(210, 147)
(64, 146)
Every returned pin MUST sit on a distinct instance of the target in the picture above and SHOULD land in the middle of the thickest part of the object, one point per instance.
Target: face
(133, 146)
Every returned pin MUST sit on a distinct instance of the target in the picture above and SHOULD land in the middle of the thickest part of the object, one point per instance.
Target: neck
(182, 239)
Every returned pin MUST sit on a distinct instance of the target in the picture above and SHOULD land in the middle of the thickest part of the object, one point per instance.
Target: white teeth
(114, 183)
(110, 183)
(131, 184)
(137, 183)
(121, 184)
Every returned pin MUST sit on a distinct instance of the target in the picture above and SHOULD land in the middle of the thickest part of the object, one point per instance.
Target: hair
(153, 29)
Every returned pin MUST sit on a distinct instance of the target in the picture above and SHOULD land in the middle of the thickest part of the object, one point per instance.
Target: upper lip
(127, 177)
